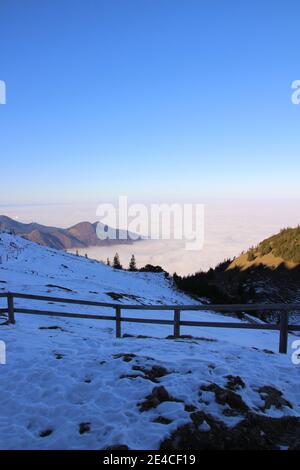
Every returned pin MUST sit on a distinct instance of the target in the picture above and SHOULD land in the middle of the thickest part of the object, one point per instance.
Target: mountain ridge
(279, 250)
(268, 272)
(80, 235)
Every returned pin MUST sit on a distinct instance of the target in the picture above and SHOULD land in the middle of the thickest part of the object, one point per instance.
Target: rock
(255, 432)
(273, 397)
(157, 396)
(46, 433)
(234, 382)
(152, 374)
(84, 427)
(127, 357)
(227, 397)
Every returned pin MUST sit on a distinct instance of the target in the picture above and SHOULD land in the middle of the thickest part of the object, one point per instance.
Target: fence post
(118, 322)
(10, 306)
(284, 328)
(176, 323)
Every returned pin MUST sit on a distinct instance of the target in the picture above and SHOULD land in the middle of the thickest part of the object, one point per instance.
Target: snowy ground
(70, 383)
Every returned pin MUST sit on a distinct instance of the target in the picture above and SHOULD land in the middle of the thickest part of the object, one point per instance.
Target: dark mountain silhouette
(83, 234)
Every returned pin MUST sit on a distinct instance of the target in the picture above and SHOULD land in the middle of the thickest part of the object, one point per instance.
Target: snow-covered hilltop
(70, 384)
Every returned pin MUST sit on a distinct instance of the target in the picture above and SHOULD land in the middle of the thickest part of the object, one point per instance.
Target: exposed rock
(127, 357)
(152, 374)
(58, 355)
(45, 433)
(127, 335)
(273, 397)
(133, 376)
(253, 433)
(157, 396)
(84, 427)
(226, 397)
(235, 382)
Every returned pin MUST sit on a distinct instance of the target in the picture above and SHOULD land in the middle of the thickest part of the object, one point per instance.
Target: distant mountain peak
(81, 235)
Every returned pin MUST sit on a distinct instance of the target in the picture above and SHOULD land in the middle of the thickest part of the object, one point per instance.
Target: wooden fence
(283, 309)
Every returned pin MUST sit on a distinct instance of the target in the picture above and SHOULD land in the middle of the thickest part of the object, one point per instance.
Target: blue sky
(154, 99)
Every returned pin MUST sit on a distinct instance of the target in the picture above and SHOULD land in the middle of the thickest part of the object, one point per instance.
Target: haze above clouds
(231, 226)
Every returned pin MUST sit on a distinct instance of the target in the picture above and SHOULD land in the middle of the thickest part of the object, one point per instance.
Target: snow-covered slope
(28, 267)
(70, 383)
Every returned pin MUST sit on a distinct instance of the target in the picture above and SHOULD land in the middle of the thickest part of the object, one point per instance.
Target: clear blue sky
(148, 98)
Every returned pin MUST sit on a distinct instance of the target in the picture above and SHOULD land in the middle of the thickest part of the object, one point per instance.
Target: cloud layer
(231, 226)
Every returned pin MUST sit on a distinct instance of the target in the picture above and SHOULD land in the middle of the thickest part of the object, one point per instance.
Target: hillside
(268, 272)
(282, 249)
(70, 384)
(81, 235)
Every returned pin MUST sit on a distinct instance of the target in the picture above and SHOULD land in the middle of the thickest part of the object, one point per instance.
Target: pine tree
(251, 254)
(132, 264)
(116, 262)
(108, 262)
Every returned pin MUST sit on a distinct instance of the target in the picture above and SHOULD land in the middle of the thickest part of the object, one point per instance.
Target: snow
(204, 427)
(57, 379)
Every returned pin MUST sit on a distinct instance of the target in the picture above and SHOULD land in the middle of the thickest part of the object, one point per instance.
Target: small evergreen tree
(132, 264)
(116, 262)
(251, 254)
(108, 262)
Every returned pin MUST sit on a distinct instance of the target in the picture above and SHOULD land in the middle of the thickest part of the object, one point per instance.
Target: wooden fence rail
(283, 327)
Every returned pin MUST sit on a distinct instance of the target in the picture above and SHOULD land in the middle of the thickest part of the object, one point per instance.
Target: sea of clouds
(230, 226)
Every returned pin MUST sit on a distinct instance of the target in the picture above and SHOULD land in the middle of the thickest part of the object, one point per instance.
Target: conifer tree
(132, 264)
(116, 262)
